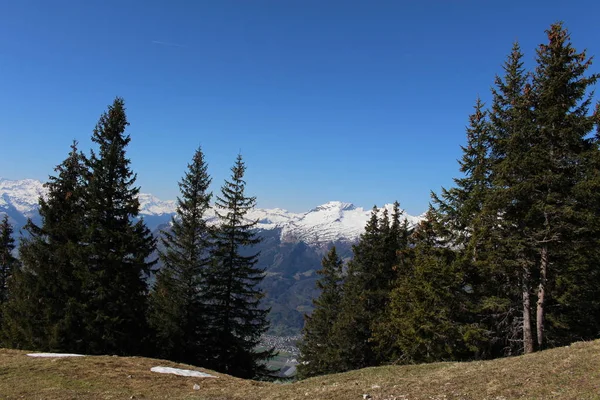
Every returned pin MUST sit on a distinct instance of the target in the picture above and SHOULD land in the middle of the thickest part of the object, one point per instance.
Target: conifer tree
(560, 151)
(8, 262)
(352, 328)
(44, 311)
(318, 347)
(425, 319)
(116, 247)
(234, 316)
(464, 216)
(177, 312)
(459, 207)
(544, 155)
(507, 260)
(369, 279)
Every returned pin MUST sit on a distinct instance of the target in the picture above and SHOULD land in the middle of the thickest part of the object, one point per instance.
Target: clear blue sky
(359, 101)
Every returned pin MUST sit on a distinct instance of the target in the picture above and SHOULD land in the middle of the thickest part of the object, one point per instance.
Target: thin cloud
(161, 43)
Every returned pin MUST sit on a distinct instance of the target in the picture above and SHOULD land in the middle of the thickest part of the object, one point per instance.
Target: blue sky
(359, 101)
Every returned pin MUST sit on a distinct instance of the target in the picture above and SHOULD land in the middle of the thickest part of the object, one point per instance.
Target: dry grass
(566, 373)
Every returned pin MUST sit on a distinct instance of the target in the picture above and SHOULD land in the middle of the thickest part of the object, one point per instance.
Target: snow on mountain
(21, 195)
(330, 222)
(152, 205)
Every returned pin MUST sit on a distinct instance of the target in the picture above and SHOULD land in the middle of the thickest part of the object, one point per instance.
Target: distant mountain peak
(329, 222)
(334, 205)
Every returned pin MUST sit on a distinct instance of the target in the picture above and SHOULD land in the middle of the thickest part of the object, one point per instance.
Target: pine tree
(116, 248)
(318, 348)
(44, 311)
(8, 262)
(177, 312)
(234, 316)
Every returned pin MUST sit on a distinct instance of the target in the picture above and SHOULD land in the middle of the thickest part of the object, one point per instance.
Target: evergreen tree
(507, 260)
(560, 155)
(545, 181)
(8, 262)
(116, 248)
(459, 207)
(464, 217)
(177, 312)
(318, 348)
(44, 311)
(352, 328)
(429, 316)
(369, 279)
(234, 316)
(512, 125)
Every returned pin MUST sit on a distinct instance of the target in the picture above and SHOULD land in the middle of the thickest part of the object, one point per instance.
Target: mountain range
(291, 250)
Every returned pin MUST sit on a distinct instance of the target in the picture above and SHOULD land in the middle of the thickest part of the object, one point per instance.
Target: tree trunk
(527, 333)
(541, 296)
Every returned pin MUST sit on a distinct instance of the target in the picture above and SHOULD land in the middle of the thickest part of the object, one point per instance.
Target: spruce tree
(44, 311)
(370, 277)
(177, 312)
(459, 207)
(464, 217)
(545, 180)
(318, 348)
(427, 317)
(507, 258)
(561, 151)
(352, 328)
(8, 262)
(235, 318)
(117, 248)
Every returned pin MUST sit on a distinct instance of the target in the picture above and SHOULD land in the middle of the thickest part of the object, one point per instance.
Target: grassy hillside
(566, 373)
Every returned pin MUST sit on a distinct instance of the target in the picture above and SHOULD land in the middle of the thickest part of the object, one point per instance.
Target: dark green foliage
(232, 297)
(368, 282)
(460, 206)
(177, 311)
(545, 154)
(503, 289)
(565, 183)
(508, 259)
(44, 310)
(427, 318)
(116, 248)
(352, 328)
(8, 262)
(319, 348)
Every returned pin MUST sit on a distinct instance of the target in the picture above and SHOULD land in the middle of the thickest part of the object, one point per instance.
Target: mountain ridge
(329, 222)
(291, 249)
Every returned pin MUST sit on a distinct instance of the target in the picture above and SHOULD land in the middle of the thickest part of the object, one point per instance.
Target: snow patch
(54, 355)
(182, 372)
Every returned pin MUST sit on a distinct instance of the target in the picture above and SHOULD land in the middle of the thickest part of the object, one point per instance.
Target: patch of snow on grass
(47, 355)
(182, 372)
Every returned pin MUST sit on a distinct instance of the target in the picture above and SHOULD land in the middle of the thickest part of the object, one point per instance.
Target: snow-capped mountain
(290, 253)
(22, 196)
(330, 222)
(152, 205)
